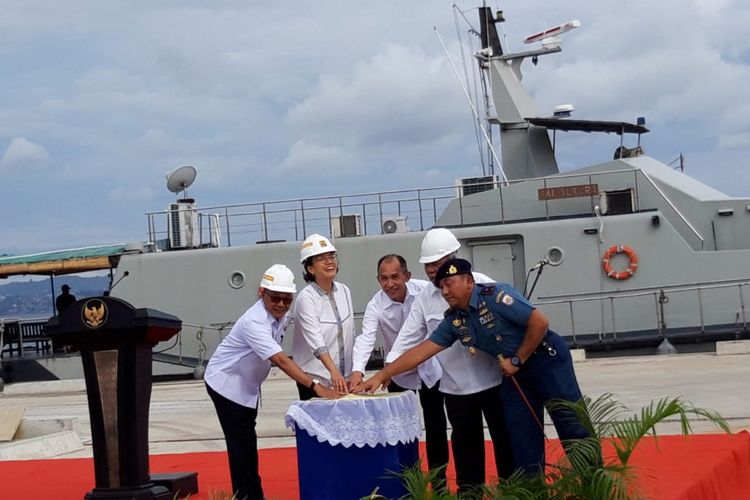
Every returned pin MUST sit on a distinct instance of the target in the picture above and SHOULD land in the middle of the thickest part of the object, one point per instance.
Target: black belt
(545, 346)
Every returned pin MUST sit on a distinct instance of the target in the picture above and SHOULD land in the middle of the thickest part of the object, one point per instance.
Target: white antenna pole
(473, 109)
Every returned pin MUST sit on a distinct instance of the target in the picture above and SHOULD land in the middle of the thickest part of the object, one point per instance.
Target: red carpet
(699, 467)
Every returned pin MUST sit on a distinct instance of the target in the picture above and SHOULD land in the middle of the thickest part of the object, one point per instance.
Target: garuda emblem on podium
(94, 313)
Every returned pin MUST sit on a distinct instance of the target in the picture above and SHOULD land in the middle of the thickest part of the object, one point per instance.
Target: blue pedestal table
(346, 448)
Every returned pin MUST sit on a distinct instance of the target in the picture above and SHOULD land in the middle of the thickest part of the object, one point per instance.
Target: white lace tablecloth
(359, 420)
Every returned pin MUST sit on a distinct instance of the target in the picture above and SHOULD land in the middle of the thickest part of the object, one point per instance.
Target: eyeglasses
(330, 256)
(275, 299)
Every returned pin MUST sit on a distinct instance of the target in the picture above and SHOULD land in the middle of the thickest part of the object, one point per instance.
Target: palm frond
(418, 483)
(630, 431)
(518, 486)
(610, 482)
(595, 415)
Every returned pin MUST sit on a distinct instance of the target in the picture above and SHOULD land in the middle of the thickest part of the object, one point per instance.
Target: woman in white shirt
(324, 319)
(240, 365)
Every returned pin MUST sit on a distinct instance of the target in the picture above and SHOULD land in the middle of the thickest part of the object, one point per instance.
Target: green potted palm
(582, 473)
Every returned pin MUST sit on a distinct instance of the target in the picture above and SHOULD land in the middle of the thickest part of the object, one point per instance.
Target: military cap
(452, 267)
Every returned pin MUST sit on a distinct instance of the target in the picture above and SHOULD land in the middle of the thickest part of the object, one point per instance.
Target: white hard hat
(278, 278)
(436, 244)
(315, 244)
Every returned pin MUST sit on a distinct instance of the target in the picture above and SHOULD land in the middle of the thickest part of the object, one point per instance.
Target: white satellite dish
(181, 179)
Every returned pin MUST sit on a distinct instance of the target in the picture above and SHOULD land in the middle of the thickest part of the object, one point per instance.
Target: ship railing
(676, 307)
(208, 337)
(411, 210)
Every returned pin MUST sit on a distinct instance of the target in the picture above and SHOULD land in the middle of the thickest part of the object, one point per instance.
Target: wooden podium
(115, 341)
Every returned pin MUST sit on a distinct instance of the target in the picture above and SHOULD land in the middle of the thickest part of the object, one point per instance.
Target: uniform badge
(466, 339)
(487, 290)
(485, 318)
(456, 322)
(452, 270)
(504, 298)
(499, 338)
(472, 350)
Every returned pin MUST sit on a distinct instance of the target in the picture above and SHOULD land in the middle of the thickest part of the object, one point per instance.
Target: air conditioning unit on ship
(344, 226)
(395, 224)
(472, 185)
(183, 225)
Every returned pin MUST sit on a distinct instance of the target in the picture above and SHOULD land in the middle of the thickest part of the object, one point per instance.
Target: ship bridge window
(617, 202)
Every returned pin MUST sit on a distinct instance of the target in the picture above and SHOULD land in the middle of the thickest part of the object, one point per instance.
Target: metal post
(265, 223)
(612, 312)
(229, 234)
(460, 205)
(380, 211)
(419, 203)
(742, 308)
(52, 289)
(364, 217)
(502, 206)
(434, 211)
(572, 321)
(700, 309)
(302, 209)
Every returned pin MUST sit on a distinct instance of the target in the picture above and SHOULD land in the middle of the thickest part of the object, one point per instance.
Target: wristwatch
(313, 384)
(516, 361)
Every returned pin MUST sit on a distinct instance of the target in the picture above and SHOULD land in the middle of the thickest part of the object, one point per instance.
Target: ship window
(237, 279)
(619, 202)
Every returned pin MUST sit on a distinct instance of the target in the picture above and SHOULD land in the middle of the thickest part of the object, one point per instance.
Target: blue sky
(270, 100)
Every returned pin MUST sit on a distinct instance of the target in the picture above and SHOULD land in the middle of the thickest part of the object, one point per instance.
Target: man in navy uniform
(496, 319)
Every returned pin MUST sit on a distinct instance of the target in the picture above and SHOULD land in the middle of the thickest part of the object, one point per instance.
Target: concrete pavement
(182, 418)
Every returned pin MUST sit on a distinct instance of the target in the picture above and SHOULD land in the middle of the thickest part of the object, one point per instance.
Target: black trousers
(435, 427)
(238, 424)
(467, 438)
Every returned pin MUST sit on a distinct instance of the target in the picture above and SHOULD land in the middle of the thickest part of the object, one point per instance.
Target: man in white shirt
(469, 381)
(386, 312)
(240, 365)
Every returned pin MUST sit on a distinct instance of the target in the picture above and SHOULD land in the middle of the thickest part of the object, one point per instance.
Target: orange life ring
(632, 262)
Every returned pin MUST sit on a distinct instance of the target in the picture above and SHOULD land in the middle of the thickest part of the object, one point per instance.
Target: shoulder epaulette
(486, 289)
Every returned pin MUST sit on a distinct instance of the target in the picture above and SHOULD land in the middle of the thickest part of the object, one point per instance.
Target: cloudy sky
(280, 99)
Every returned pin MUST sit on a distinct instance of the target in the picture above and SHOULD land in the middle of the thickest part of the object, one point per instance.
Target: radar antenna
(551, 36)
(181, 179)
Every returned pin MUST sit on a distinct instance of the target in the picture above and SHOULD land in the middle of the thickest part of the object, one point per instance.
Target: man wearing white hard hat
(240, 365)
(468, 381)
(324, 319)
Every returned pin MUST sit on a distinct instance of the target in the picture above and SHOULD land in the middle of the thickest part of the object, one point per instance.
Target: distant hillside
(34, 298)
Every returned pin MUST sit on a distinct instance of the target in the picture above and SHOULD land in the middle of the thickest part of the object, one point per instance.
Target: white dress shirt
(459, 371)
(386, 316)
(241, 362)
(323, 323)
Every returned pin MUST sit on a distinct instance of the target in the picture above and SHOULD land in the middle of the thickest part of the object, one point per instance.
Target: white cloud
(314, 160)
(249, 92)
(131, 194)
(21, 153)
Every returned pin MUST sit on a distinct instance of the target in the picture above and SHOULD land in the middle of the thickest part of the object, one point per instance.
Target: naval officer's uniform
(496, 323)
(468, 385)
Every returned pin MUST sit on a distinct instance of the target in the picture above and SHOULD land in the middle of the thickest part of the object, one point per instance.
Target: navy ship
(627, 253)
